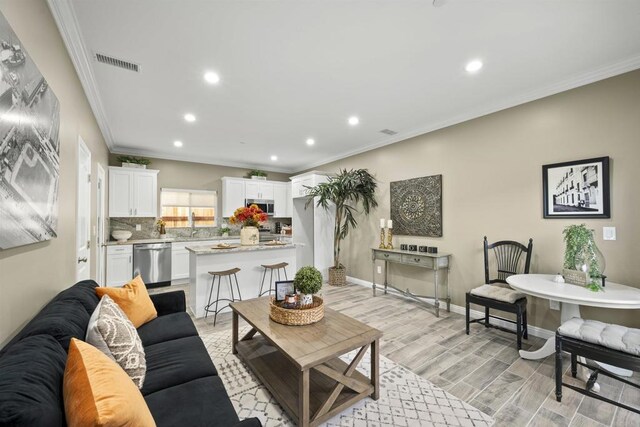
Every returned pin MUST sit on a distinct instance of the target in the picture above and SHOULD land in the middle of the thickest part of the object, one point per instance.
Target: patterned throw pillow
(111, 331)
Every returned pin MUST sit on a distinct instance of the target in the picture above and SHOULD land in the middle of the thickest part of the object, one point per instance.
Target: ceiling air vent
(388, 132)
(110, 60)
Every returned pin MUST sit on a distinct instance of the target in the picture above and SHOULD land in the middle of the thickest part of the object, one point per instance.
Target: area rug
(406, 399)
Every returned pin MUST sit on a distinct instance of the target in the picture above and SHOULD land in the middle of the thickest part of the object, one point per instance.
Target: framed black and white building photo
(577, 189)
(29, 147)
(284, 288)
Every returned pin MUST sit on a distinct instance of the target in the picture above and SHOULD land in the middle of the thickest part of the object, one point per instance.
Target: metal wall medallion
(416, 206)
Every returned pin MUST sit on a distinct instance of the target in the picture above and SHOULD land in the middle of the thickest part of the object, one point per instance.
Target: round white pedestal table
(571, 297)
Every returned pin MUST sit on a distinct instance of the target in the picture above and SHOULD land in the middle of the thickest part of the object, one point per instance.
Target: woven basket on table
(297, 316)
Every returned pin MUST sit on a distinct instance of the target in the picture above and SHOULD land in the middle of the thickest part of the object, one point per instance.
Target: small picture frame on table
(284, 288)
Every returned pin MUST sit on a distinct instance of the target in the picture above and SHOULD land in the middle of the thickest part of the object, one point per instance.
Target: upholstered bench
(611, 344)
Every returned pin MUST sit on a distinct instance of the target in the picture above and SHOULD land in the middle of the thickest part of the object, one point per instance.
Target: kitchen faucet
(194, 230)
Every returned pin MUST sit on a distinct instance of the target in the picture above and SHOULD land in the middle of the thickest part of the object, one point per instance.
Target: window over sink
(188, 208)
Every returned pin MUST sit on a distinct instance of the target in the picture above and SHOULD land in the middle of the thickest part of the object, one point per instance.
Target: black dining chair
(496, 293)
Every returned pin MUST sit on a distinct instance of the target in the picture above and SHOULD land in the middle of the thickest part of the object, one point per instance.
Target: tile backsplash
(149, 231)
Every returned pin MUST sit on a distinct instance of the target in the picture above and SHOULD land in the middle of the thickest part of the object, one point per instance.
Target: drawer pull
(416, 259)
(386, 255)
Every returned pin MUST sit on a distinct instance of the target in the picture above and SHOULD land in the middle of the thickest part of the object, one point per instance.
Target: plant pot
(249, 236)
(337, 276)
(306, 299)
(225, 234)
(133, 165)
(261, 178)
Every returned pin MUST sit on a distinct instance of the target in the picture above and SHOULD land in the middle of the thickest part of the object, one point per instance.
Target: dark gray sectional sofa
(182, 386)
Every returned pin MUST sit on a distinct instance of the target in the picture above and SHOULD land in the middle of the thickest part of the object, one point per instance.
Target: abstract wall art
(29, 147)
(416, 206)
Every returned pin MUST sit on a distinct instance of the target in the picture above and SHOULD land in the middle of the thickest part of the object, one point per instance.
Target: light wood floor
(482, 368)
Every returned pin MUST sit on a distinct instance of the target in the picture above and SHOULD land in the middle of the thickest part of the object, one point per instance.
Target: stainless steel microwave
(265, 205)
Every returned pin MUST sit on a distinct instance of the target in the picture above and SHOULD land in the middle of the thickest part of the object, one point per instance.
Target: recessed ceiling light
(353, 120)
(190, 117)
(473, 66)
(177, 143)
(311, 141)
(274, 158)
(211, 77)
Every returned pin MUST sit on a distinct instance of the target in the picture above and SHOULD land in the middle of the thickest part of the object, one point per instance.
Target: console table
(435, 262)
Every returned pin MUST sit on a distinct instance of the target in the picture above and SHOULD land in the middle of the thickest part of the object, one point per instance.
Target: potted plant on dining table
(249, 217)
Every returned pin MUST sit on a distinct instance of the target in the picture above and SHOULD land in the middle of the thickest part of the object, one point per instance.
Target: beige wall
(31, 275)
(195, 176)
(491, 169)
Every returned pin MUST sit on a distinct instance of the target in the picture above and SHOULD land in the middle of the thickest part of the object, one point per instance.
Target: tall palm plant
(347, 191)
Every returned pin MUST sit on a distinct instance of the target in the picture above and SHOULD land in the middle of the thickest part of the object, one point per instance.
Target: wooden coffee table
(300, 365)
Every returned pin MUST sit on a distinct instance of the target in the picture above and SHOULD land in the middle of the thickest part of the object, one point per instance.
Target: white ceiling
(297, 69)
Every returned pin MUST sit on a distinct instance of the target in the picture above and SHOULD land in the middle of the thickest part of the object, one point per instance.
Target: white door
(101, 210)
(120, 193)
(145, 194)
(83, 218)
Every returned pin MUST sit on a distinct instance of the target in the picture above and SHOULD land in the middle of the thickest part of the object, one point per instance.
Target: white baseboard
(533, 330)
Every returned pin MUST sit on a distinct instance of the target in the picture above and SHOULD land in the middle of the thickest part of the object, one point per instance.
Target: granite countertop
(185, 239)
(206, 250)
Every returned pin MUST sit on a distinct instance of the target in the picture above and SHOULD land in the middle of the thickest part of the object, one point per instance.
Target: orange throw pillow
(133, 299)
(97, 392)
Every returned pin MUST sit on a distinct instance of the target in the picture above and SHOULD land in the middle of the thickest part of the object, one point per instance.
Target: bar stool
(271, 267)
(219, 275)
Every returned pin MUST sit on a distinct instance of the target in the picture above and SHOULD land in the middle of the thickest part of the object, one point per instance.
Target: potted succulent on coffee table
(308, 281)
(347, 191)
(310, 308)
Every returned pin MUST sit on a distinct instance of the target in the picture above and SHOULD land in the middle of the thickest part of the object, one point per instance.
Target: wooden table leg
(375, 369)
(303, 399)
(234, 332)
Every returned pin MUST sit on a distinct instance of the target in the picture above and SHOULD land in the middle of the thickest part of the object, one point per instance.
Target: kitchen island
(203, 259)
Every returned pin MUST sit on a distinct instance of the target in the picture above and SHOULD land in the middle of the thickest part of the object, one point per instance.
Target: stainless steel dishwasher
(153, 262)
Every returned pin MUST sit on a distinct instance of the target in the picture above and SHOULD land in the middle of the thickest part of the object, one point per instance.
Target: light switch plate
(554, 305)
(138, 227)
(608, 233)
(379, 269)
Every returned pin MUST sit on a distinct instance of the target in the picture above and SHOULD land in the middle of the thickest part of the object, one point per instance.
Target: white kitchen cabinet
(257, 189)
(233, 195)
(289, 211)
(280, 201)
(299, 183)
(236, 190)
(133, 192)
(119, 265)
(179, 261)
(120, 192)
(180, 256)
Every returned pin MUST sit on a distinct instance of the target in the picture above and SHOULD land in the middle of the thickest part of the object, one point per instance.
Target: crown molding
(197, 159)
(65, 17)
(582, 79)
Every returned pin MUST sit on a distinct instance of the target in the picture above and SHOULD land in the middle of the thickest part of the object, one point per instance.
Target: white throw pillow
(111, 332)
